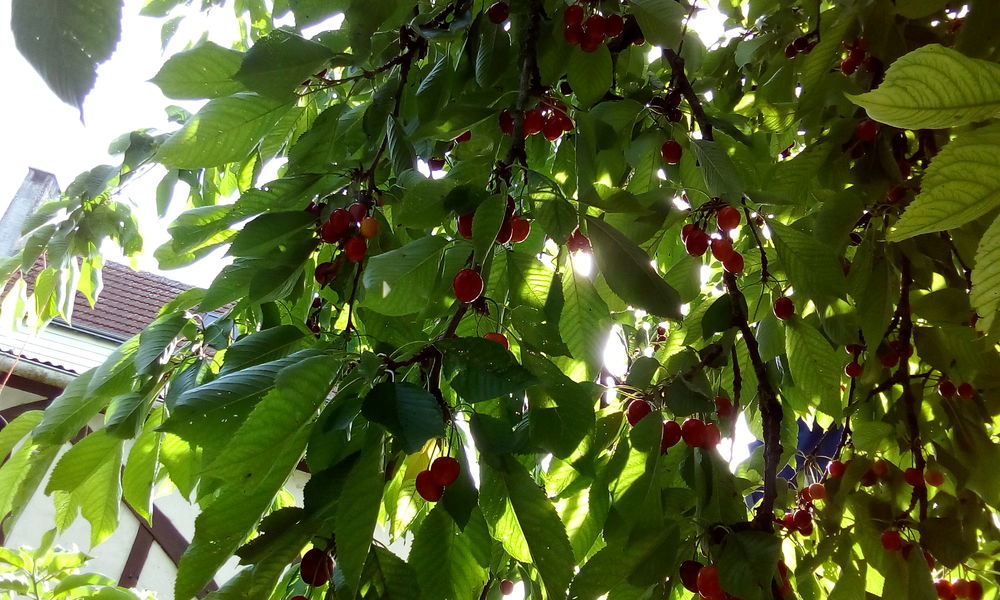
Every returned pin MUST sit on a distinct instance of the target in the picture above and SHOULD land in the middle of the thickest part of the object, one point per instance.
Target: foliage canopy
(847, 150)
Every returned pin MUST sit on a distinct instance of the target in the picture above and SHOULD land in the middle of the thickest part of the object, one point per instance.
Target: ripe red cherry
(552, 128)
(696, 243)
(325, 272)
(506, 232)
(693, 432)
(853, 369)
(966, 391)
(689, 574)
(961, 589)
(359, 210)
(934, 477)
(464, 137)
(637, 409)
(849, 65)
(913, 476)
(573, 34)
(892, 541)
(788, 521)
(436, 164)
(336, 226)
(805, 495)
(429, 489)
(723, 407)
(573, 15)
(734, 264)
(836, 468)
(853, 349)
(467, 285)
(445, 470)
(356, 248)
(497, 337)
(506, 587)
(784, 308)
(506, 122)
(722, 249)
(578, 242)
(687, 230)
(498, 12)
(533, 121)
(880, 468)
(708, 583)
(316, 567)
(866, 130)
(975, 590)
(614, 26)
(520, 228)
(946, 389)
(671, 152)
(944, 590)
(728, 218)
(817, 491)
(712, 436)
(671, 435)
(595, 27)
(802, 519)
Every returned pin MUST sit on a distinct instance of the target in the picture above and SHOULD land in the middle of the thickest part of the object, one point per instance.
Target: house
(34, 369)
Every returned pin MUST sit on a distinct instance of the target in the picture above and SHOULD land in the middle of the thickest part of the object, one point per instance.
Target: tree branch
(910, 402)
(529, 82)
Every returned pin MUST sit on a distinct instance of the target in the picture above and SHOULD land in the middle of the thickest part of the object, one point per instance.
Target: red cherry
(573, 15)
(325, 272)
(960, 587)
(445, 470)
(552, 128)
(520, 228)
(464, 224)
(853, 349)
(791, 50)
(913, 476)
(506, 585)
(359, 210)
(356, 248)
(696, 243)
(802, 519)
(637, 409)
(867, 130)
(336, 226)
(708, 583)
(578, 242)
(693, 432)
(316, 567)
(788, 521)
(784, 308)
(836, 468)
(944, 591)
(499, 338)
(506, 122)
(723, 407)
(712, 436)
(975, 590)
(671, 152)
(467, 285)
(614, 26)
(933, 477)
(889, 360)
(595, 27)
(806, 529)
(901, 349)
(573, 34)
(564, 120)
(687, 230)
(590, 44)
(671, 435)
(533, 121)
(734, 264)
(436, 163)
(728, 218)
(853, 369)
(689, 574)
(880, 468)
(966, 391)
(892, 541)
(849, 65)
(946, 389)
(805, 495)
(464, 137)
(817, 491)
(506, 232)
(498, 12)
(429, 489)
(722, 249)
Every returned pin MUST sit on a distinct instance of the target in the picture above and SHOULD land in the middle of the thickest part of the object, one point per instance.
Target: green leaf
(546, 536)
(661, 21)
(278, 63)
(481, 369)
(260, 237)
(357, 512)
(154, 339)
(401, 151)
(90, 472)
(629, 274)
(614, 565)
(985, 296)
(486, 223)
(812, 267)
(205, 71)
(139, 474)
(225, 130)
(444, 557)
(410, 413)
(815, 366)
(934, 87)
(590, 74)
(398, 282)
(15, 431)
(747, 563)
(959, 186)
(584, 324)
(721, 177)
(66, 42)
(263, 346)
(70, 411)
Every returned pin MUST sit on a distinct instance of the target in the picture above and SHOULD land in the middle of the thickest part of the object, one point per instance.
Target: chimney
(38, 187)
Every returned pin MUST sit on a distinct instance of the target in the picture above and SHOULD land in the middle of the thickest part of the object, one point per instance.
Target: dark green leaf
(409, 412)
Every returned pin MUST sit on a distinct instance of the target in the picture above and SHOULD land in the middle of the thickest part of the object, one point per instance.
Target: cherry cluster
(947, 389)
(697, 240)
(857, 56)
(350, 228)
(801, 519)
(549, 119)
(695, 432)
(667, 105)
(958, 588)
(590, 31)
(431, 482)
(802, 44)
(515, 228)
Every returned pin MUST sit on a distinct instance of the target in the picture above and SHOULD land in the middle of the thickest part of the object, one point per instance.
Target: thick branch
(529, 81)
(910, 402)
